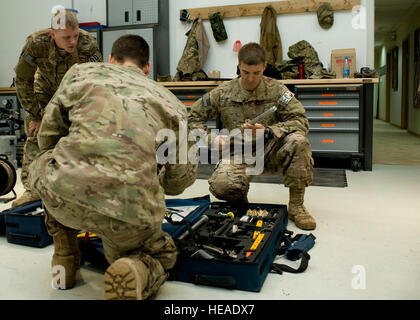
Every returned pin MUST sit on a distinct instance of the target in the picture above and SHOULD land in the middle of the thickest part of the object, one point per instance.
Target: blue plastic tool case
(226, 251)
(91, 247)
(24, 227)
(216, 253)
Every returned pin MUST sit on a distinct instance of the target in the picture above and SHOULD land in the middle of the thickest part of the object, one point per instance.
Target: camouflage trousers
(291, 156)
(155, 248)
(30, 151)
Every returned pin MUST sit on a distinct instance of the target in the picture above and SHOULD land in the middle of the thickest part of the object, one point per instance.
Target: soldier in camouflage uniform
(287, 150)
(45, 58)
(98, 169)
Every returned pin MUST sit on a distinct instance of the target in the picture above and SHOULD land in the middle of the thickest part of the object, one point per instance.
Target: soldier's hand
(34, 128)
(254, 128)
(220, 142)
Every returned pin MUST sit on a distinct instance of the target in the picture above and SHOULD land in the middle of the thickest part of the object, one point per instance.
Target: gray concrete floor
(367, 247)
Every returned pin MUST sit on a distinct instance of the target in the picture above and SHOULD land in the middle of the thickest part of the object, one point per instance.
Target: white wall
(18, 19)
(292, 28)
(370, 31)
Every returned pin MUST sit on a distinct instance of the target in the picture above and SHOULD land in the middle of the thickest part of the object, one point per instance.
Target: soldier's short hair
(131, 47)
(63, 19)
(252, 54)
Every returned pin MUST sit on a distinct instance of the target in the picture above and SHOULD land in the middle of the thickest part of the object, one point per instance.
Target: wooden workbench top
(7, 90)
(211, 84)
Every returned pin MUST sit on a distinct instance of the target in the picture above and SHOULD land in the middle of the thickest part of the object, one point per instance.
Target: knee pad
(229, 188)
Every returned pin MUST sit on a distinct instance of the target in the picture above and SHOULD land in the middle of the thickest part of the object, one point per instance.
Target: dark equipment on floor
(7, 178)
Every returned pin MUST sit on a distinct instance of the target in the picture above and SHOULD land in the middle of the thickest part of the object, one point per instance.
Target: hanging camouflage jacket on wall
(270, 36)
(195, 53)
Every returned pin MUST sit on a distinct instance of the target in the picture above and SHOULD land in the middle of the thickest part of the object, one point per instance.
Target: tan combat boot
(125, 279)
(26, 197)
(297, 211)
(67, 255)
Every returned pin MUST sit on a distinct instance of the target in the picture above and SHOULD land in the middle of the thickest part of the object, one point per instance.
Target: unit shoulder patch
(286, 97)
(29, 59)
(206, 100)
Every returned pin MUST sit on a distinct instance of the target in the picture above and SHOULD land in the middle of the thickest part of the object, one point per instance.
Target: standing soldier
(287, 150)
(45, 58)
(98, 169)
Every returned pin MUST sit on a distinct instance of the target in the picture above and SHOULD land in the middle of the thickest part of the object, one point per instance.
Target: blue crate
(24, 228)
(2, 225)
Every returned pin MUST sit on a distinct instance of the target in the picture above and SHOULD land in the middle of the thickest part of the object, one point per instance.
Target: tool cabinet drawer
(329, 104)
(332, 112)
(322, 94)
(188, 98)
(333, 123)
(334, 141)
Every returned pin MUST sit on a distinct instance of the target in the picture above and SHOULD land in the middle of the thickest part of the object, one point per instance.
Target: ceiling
(388, 16)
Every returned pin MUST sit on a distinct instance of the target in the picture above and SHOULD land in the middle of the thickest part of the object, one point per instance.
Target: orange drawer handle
(328, 114)
(191, 97)
(328, 141)
(188, 103)
(328, 103)
(329, 125)
(328, 95)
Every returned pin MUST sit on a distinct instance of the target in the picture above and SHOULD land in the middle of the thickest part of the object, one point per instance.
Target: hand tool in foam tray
(232, 233)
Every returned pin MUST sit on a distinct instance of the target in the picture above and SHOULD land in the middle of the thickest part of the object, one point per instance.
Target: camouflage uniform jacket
(233, 105)
(270, 36)
(41, 55)
(102, 123)
(196, 49)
